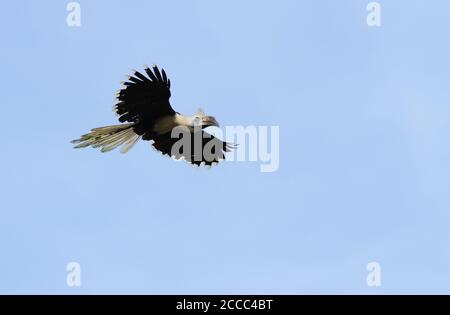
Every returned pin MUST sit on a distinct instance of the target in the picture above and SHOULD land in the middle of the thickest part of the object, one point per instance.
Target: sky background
(364, 148)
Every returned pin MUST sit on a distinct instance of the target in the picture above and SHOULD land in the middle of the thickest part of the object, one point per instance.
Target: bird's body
(145, 113)
(165, 124)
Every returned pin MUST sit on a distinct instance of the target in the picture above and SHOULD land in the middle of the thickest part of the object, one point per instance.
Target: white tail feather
(108, 138)
(130, 143)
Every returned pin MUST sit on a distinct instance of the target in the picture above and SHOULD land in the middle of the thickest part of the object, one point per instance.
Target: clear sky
(364, 159)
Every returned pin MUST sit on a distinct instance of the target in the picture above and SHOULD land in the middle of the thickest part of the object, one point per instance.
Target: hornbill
(145, 112)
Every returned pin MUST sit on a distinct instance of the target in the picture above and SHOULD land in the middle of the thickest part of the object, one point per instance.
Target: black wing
(144, 99)
(215, 146)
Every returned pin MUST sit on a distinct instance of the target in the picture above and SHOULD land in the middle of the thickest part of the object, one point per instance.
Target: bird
(145, 112)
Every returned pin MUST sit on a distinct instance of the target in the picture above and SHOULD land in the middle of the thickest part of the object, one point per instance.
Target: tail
(108, 138)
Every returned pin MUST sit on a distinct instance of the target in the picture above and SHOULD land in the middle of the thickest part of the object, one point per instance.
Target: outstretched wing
(213, 149)
(144, 99)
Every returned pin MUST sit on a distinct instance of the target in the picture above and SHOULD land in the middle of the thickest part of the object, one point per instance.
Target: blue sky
(364, 148)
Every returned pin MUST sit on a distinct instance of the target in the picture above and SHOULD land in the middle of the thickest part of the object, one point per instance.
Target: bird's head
(200, 119)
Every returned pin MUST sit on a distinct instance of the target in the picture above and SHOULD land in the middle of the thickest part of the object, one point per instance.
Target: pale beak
(210, 121)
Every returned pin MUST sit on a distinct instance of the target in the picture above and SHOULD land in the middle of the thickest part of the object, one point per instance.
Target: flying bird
(145, 112)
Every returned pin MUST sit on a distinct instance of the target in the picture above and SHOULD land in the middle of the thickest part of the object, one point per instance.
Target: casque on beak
(210, 121)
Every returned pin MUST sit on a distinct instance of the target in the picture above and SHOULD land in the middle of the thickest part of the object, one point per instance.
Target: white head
(200, 119)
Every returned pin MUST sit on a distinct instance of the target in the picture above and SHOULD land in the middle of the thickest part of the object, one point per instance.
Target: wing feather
(144, 99)
(165, 142)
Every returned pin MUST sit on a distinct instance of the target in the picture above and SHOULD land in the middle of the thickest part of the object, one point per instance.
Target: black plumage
(165, 142)
(142, 101)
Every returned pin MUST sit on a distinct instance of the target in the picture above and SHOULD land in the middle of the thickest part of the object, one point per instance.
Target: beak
(210, 121)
